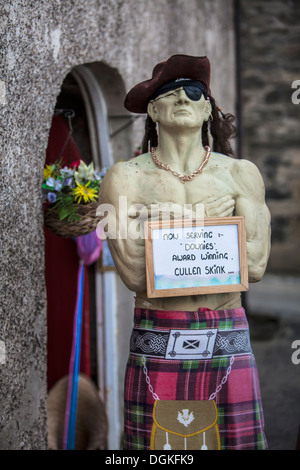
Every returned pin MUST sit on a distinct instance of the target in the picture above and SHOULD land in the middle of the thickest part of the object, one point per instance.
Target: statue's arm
(128, 253)
(250, 202)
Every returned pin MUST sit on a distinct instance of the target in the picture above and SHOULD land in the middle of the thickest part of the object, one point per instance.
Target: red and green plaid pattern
(240, 421)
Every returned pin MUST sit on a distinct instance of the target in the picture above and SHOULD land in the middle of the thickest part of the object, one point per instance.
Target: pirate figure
(171, 402)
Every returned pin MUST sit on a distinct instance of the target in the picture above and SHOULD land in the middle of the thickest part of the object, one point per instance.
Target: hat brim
(177, 66)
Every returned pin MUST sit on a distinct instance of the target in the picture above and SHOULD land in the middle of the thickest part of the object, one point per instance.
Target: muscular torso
(151, 185)
(143, 183)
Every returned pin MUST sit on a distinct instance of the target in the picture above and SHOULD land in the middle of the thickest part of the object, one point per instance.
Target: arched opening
(91, 105)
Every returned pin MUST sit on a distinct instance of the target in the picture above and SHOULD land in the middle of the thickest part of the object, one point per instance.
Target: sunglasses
(193, 91)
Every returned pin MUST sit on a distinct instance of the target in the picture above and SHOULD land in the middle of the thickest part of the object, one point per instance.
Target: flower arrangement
(69, 187)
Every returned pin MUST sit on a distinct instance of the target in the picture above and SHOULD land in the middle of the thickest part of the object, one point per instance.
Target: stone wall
(270, 56)
(41, 42)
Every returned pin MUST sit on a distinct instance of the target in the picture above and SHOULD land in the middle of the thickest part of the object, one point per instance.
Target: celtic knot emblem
(235, 342)
(148, 342)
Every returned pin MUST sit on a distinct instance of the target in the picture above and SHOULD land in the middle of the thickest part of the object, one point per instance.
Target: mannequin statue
(178, 102)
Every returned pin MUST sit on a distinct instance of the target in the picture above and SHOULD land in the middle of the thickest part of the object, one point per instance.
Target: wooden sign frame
(197, 286)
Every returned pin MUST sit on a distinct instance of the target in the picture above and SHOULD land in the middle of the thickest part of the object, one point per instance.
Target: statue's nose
(181, 97)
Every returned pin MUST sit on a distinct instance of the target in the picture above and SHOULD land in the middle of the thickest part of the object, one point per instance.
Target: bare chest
(160, 186)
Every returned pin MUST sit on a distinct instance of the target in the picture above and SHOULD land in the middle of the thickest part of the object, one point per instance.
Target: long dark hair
(221, 128)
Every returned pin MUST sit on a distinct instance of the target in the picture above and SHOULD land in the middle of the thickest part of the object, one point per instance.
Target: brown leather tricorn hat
(177, 66)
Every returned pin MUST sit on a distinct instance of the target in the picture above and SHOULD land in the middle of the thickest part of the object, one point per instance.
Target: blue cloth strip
(70, 443)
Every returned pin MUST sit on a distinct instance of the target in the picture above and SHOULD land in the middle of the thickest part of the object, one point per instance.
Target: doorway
(88, 124)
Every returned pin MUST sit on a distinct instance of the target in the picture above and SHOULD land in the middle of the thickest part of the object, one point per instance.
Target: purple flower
(65, 172)
(68, 181)
(51, 197)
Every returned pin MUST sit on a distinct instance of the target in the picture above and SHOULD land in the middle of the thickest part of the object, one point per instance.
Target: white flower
(50, 182)
(58, 185)
(85, 172)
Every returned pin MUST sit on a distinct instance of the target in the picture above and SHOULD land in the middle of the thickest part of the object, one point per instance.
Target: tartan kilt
(238, 400)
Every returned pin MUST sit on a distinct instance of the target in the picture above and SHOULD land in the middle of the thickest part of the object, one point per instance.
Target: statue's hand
(222, 207)
(168, 211)
(152, 213)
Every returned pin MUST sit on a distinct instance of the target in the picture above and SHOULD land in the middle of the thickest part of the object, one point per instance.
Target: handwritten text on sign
(196, 256)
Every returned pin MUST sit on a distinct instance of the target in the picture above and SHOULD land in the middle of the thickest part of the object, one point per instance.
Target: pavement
(273, 311)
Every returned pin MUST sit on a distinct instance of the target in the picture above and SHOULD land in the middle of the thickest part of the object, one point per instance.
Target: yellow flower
(47, 172)
(85, 193)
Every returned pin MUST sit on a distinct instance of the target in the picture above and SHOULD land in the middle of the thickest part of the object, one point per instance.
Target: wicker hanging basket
(87, 223)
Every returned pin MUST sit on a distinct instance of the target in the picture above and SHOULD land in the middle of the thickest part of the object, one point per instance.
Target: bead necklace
(183, 178)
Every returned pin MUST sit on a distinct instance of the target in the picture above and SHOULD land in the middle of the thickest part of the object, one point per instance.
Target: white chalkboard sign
(191, 257)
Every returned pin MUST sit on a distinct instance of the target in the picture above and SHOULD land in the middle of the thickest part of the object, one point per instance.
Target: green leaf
(65, 208)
